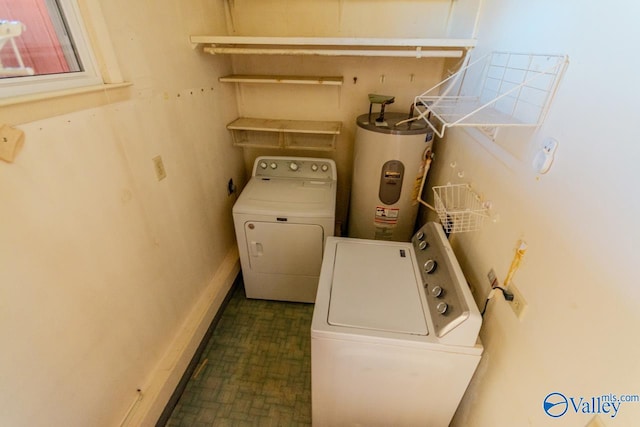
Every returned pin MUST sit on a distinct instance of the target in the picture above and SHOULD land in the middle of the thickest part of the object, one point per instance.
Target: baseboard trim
(172, 368)
(193, 365)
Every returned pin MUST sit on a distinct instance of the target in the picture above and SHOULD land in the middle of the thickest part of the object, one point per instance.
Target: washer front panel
(375, 287)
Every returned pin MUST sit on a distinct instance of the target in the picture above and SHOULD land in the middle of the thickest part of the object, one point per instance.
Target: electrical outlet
(518, 305)
(493, 279)
(158, 166)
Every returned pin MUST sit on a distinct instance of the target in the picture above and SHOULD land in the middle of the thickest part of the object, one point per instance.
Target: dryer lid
(383, 299)
(287, 197)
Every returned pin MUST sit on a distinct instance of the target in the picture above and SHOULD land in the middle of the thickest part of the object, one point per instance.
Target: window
(43, 47)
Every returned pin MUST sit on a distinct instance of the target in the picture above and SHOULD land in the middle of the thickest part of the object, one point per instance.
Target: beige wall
(361, 18)
(578, 336)
(101, 263)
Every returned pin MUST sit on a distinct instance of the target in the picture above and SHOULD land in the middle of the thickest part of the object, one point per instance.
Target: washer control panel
(441, 277)
(295, 167)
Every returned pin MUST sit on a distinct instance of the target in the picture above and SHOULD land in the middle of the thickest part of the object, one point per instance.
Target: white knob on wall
(544, 158)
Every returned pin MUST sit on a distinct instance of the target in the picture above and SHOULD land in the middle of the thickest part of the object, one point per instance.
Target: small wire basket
(459, 208)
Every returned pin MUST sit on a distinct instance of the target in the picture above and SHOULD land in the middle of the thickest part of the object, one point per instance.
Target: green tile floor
(255, 370)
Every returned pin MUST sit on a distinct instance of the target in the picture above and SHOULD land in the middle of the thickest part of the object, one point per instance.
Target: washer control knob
(423, 245)
(420, 235)
(436, 291)
(314, 167)
(273, 165)
(442, 307)
(293, 166)
(430, 266)
(324, 167)
(263, 165)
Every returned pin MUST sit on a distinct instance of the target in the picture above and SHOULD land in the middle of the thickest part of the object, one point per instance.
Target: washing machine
(394, 335)
(282, 220)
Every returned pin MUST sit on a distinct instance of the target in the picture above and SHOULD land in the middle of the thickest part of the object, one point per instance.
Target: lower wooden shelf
(293, 134)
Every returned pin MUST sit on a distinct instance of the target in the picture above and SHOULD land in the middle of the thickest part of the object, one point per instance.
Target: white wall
(579, 335)
(100, 263)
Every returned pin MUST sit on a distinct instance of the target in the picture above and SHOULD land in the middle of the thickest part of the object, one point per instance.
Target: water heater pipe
(427, 165)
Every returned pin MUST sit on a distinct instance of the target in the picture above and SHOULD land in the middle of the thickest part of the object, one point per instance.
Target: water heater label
(386, 215)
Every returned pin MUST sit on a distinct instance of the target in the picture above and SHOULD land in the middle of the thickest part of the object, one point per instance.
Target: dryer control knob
(273, 165)
(436, 291)
(423, 245)
(442, 307)
(430, 266)
(314, 167)
(293, 166)
(420, 235)
(325, 167)
(263, 165)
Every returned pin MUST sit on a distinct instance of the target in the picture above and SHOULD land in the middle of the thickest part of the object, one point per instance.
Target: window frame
(41, 84)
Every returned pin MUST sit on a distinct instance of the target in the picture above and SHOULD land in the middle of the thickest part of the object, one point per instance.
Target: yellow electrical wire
(515, 263)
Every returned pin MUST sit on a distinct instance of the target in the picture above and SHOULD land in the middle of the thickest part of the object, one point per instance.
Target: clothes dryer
(282, 219)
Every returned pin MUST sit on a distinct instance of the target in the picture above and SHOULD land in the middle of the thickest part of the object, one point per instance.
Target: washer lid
(375, 287)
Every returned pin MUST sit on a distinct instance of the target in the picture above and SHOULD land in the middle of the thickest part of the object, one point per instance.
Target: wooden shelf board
(311, 80)
(286, 126)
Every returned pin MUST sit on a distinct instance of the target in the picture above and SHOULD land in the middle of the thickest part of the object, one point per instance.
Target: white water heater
(388, 166)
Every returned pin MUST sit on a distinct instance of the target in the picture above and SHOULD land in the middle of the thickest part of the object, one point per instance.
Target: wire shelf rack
(499, 89)
(459, 208)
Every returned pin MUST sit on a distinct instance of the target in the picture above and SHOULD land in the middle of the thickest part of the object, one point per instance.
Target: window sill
(28, 108)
